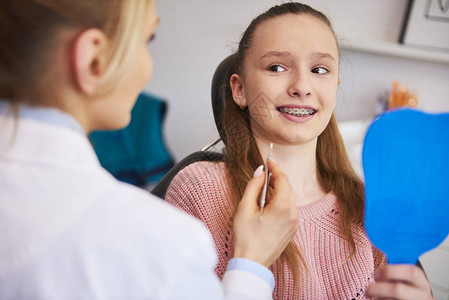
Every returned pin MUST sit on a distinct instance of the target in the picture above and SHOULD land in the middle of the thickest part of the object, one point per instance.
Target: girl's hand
(400, 282)
(264, 239)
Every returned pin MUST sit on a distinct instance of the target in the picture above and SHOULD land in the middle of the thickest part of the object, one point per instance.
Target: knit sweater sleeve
(183, 192)
(201, 190)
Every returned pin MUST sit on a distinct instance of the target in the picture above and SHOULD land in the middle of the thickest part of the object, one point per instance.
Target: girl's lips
(297, 119)
(297, 113)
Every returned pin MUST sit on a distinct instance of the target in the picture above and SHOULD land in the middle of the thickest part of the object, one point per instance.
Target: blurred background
(194, 36)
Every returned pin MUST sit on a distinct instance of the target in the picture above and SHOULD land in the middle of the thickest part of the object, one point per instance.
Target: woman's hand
(400, 282)
(263, 239)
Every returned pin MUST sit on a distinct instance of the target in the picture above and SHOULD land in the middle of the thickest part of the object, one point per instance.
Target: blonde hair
(28, 29)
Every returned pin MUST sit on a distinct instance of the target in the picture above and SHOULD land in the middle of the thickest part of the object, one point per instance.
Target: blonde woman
(68, 229)
(283, 91)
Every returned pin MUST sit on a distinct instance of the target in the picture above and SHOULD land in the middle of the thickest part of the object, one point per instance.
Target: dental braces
(299, 112)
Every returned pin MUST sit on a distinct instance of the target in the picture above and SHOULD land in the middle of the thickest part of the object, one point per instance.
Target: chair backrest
(219, 94)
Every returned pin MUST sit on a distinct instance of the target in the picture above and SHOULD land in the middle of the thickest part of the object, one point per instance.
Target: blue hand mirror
(406, 166)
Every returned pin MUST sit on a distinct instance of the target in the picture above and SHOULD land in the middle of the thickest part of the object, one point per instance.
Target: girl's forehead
(291, 31)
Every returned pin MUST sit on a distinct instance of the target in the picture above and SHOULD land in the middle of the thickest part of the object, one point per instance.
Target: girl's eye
(320, 70)
(276, 68)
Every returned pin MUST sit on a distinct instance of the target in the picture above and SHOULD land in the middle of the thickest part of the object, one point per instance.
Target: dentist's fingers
(264, 239)
(252, 192)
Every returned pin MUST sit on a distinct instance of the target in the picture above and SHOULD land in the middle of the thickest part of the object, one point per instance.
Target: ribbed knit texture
(201, 190)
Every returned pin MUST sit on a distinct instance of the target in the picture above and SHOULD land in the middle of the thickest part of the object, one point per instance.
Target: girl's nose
(299, 85)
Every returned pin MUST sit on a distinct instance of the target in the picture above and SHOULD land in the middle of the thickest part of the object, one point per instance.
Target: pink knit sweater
(202, 191)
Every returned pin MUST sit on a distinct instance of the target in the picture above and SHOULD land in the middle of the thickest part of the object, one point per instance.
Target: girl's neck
(298, 162)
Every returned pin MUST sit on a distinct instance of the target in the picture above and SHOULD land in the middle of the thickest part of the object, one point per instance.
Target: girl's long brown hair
(334, 169)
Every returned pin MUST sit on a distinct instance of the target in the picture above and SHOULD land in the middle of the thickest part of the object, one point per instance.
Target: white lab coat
(69, 230)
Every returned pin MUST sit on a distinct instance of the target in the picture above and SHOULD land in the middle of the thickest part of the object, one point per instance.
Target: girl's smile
(296, 113)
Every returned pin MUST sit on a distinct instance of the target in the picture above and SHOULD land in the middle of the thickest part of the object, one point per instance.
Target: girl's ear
(89, 60)
(238, 91)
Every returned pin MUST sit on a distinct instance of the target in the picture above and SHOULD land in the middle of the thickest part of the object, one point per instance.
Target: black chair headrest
(221, 90)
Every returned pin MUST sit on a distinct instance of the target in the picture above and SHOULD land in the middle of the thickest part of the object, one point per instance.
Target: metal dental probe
(263, 196)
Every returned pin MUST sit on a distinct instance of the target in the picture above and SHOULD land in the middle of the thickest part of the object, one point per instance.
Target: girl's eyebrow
(276, 54)
(323, 55)
(288, 54)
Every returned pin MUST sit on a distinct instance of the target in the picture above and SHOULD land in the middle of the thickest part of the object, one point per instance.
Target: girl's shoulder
(200, 184)
(202, 172)
(201, 189)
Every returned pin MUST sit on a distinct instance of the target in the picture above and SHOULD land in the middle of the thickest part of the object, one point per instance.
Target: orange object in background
(401, 97)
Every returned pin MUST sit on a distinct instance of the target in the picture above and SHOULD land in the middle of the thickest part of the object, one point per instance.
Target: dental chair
(219, 95)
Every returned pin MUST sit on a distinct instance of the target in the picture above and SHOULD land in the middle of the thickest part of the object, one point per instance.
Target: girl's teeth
(299, 112)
